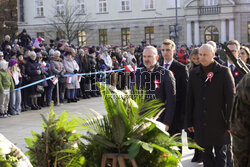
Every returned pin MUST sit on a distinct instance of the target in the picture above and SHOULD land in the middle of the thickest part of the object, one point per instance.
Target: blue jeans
(49, 93)
(15, 102)
(70, 93)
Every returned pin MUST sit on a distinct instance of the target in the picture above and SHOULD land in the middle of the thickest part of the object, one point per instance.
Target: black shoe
(23, 109)
(195, 158)
(77, 99)
(39, 107)
(33, 107)
(94, 94)
(84, 96)
(73, 100)
(199, 159)
(88, 95)
(27, 106)
(69, 100)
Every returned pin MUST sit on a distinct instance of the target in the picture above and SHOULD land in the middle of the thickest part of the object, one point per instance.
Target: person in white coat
(71, 67)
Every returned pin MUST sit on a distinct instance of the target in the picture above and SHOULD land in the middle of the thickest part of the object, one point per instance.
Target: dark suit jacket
(180, 73)
(165, 90)
(236, 74)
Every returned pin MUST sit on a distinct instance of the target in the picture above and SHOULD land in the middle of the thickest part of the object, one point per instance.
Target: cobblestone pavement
(16, 128)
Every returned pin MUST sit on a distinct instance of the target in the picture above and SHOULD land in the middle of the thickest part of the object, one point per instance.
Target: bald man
(159, 83)
(210, 95)
(216, 57)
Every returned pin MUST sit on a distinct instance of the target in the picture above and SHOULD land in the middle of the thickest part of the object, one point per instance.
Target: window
(41, 34)
(125, 36)
(81, 38)
(80, 6)
(149, 34)
(149, 4)
(210, 2)
(211, 34)
(248, 31)
(59, 7)
(102, 6)
(103, 37)
(60, 34)
(125, 5)
(39, 8)
(171, 4)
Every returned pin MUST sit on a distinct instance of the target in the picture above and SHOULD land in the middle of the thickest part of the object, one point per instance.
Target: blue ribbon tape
(68, 75)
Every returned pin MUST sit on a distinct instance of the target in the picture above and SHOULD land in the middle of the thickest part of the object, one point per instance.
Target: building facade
(120, 22)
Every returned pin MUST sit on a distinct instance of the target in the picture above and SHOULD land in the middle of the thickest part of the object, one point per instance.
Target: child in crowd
(15, 97)
(6, 86)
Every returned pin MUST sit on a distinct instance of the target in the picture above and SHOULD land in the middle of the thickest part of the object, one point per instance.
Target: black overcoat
(209, 105)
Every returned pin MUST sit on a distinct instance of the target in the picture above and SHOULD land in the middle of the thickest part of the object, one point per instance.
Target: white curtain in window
(125, 5)
(149, 4)
(102, 6)
(59, 7)
(80, 6)
(171, 3)
(39, 8)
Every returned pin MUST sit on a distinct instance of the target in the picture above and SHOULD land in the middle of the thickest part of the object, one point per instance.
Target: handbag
(39, 89)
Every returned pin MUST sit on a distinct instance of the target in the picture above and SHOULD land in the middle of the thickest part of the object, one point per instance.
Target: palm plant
(130, 126)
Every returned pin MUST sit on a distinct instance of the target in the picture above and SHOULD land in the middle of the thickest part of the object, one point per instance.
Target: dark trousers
(175, 128)
(217, 160)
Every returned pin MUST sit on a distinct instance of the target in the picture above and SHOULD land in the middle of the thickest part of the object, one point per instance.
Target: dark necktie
(232, 68)
(166, 66)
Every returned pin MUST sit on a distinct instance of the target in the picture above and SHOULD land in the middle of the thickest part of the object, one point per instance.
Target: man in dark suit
(180, 73)
(158, 82)
(210, 93)
(234, 47)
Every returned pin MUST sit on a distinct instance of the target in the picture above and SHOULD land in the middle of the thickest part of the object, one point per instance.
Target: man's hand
(166, 128)
(191, 129)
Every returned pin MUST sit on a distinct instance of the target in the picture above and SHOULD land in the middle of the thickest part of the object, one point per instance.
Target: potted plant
(129, 129)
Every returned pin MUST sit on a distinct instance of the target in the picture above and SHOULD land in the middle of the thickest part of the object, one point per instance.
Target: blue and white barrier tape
(69, 75)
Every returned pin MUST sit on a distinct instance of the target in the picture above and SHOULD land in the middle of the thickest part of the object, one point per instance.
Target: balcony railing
(211, 10)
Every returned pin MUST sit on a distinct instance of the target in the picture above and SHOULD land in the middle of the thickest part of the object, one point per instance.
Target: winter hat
(12, 62)
(40, 39)
(44, 53)
(59, 45)
(24, 30)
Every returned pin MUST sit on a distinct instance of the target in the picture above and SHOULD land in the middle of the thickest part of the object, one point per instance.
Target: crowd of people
(25, 61)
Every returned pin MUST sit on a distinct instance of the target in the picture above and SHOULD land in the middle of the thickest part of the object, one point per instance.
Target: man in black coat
(158, 82)
(234, 47)
(24, 38)
(210, 93)
(180, 73)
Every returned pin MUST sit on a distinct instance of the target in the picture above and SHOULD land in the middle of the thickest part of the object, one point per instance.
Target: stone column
(196, 33)
(231, 29)
(189, 34)
(223, 31)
